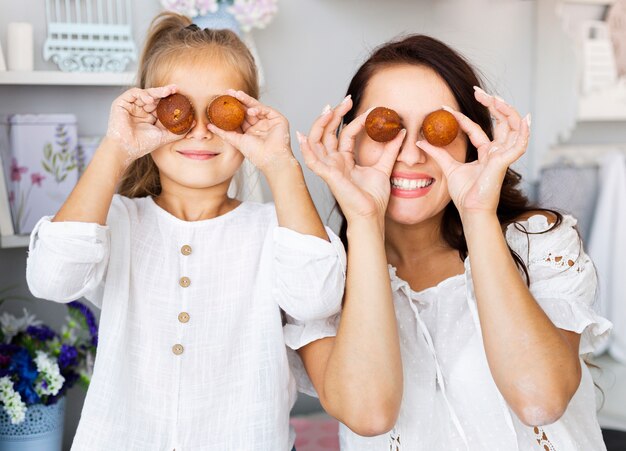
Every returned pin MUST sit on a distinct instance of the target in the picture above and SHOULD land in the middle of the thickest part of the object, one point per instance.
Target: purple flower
(36, 178)
(41, 333)
(68, 356)
(90, 319)
(17, 171)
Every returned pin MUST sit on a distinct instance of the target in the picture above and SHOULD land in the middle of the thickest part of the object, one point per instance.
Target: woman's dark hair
(460, 77)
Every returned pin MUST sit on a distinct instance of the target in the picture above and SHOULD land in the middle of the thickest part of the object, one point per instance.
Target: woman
(492, 296)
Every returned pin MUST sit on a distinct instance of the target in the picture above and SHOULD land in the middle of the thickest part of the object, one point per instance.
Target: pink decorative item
(316, 433)
(617, 27)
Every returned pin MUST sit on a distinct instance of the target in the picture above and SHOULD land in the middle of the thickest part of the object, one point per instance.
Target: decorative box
(40, 165)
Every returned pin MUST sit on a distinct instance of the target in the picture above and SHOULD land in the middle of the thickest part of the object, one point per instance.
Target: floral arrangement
(249, 13)
(37, 365)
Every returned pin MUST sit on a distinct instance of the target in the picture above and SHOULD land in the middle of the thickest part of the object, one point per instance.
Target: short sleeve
(300, 333)
(563, 279)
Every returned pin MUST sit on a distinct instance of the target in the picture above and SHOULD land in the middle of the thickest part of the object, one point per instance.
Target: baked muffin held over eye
(176, 113)
(226, 112)
(382, 124)
(440, 128)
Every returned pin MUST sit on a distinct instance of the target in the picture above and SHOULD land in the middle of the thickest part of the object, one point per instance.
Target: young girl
(191, 283)
(493, 297)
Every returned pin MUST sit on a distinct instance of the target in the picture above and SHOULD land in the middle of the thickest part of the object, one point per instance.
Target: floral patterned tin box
(40, 165)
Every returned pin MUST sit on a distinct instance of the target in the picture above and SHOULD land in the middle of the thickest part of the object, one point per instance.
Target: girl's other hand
(361, 191)
(133, 121)
(265, 140)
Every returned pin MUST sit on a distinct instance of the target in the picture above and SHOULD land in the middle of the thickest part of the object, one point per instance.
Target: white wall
(313, 48)
(309, 54)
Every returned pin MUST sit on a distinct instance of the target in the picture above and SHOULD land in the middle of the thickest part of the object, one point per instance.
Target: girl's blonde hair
(173, 37)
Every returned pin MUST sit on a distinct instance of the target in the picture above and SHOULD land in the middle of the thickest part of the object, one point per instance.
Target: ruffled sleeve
(563, 279)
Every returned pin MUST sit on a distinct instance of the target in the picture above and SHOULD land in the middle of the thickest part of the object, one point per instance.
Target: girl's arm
(534, 364)
(358, 373)
(266, 143)
(68, 257)
(132, 133)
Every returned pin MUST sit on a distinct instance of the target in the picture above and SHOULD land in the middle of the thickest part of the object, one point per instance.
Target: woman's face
(418, 187)
(199, 159)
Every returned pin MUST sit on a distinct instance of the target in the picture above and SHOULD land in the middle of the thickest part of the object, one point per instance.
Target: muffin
(226, 112)
(176, 113)
(382, 124)
(440, 128)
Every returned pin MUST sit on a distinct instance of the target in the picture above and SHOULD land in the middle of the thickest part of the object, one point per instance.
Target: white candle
(3, 66)
(20, 46)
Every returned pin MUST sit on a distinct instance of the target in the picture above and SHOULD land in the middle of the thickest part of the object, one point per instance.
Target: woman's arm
(358, 373)
(534, 364)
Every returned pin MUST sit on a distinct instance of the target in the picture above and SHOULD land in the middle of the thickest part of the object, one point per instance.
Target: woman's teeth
(410, 184)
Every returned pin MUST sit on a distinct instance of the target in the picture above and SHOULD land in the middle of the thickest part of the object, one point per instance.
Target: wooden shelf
(11, 241)
(58, 78)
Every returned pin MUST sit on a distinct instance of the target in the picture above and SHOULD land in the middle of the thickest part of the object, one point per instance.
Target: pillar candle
(3, 66)
(20, 46)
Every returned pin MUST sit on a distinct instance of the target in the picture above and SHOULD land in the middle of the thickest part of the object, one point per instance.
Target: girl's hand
(361, 191)
(133, 121)
(475, 186)
(265, 140)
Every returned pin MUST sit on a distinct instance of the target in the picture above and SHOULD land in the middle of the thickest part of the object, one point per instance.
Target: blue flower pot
(220, 20)
(42, 430)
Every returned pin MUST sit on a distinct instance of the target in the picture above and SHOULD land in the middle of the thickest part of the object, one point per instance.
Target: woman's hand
(133, 121)
(361, 191)
(475, 186)
(265, 140)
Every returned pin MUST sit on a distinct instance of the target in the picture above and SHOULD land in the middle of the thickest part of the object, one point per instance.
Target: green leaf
(63, 178)
(46, 167)
(47, 151)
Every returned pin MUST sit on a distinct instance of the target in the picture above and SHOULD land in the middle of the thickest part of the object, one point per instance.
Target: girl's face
(418, 187)
(199, 159)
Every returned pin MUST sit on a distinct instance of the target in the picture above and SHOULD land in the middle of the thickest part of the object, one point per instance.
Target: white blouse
(191, 352)
(450, 401)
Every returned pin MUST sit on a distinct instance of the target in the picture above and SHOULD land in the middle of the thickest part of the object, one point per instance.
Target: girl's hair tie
(192, 27)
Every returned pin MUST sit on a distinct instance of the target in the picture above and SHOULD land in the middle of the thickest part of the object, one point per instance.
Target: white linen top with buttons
(450, 400)
(191, 352)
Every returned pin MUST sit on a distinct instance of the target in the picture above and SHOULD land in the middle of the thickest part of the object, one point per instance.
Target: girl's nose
(199, 129)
